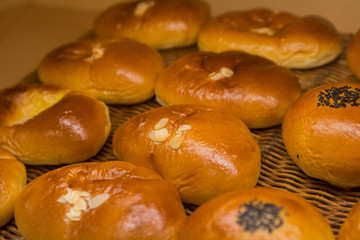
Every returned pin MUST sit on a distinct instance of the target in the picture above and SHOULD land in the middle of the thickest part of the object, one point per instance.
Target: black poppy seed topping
(257, 215)
(339, 97)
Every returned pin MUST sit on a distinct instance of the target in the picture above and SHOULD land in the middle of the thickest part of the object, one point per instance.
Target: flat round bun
(116, 71)
(321, 133)
(202, 151)
(159, 23)
(350, 229)
(257, 214)
(288, 40)
(353, 54)
(12, 181)
(99, 201)
(251, 87)
(44, 124)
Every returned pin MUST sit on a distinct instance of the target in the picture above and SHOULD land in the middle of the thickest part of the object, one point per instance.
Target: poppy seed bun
(99, 201)
(108, 69)
(288, 40)
(202, 151)
(257, 214)
(44, 124)
(159, 23)
(251, 87)
(12, 181)
(321, 133)
(353, 54)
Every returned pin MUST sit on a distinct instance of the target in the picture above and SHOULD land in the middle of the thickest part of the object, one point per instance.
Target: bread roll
(289, 40)
(12, 181)
(99, 201)
(251, 87)
(202, 151)
(257, 214)
(321, 133)
(353, 54)
(350, 229)
(44, 124)
(116, 71)
(159, 23)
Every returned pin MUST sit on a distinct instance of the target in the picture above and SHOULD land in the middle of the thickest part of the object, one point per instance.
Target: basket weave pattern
(277, 170)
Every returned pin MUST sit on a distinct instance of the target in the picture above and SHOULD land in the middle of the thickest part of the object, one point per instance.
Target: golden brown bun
(44, 124)
(158, 23)
(202, 151)
(288, 40)
(257, 214)
(120, 71)
(12, 181)
(321, 133)
(257, 90)
(118, 201)
(353, 54)
(350, 229)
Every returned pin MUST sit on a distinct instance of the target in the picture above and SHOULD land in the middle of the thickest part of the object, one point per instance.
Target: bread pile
(196, 149)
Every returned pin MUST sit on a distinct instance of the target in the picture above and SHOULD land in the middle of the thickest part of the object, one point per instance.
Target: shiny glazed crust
(257, 214)
(257, 90)
(288, 40)
(44, 124)
(350, 229)
(132, 203)
(159, 23)
(353, 54)
(105, 68)
(321, 133)
(12, 181)
(202, 151)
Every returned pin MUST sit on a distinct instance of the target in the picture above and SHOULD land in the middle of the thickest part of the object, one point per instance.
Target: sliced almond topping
(80, 205)
(215, 76)
(184, 127)
(72, 197)
(74, 215)
(85, 194)
(98, 200)
(263, 30)
(142, 7)
(152, 136)
(161, 134)
(77, 200)
(162, 123)
(226, 72)
(97, 52)
(61, 200)
(176, 141)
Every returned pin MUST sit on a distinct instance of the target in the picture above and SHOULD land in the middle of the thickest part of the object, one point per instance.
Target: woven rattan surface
(277, 171)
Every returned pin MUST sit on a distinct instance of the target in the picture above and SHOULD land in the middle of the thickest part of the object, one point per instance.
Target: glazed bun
(257, 214)
(353, 54)
(44, 124)
(202, 151)
(159, 23)
(99, 201)
(12, 181)
(350, 229)
(288, 40)
(251, 87)
(116, 71)
(321, 133)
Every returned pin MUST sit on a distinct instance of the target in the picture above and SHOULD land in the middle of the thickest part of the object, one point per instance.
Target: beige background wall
(31, 28)
(345, 13)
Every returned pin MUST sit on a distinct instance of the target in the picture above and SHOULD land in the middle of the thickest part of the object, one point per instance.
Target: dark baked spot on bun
(339, 97)
(257, 215)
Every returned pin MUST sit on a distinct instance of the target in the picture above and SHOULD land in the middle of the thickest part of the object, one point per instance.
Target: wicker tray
(277, 170)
